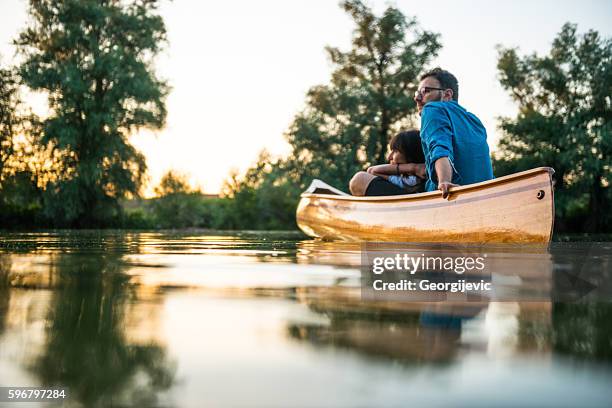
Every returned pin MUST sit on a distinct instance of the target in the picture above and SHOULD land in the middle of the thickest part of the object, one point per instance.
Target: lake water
(197, 319)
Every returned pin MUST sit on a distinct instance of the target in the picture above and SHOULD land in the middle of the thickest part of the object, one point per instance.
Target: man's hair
(408, 143)
(446, 80)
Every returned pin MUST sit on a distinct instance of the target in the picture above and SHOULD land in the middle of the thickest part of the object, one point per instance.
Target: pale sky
(239, 70)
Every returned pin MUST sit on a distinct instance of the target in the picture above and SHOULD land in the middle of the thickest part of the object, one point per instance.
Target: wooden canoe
(518, 208)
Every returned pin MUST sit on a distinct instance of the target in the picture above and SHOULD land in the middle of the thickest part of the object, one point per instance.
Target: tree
(347, 123)
(265, 197)
(173, 182)
(564, 121)
(9, 119)
(94, 59)
(178, 205)
(19, 195)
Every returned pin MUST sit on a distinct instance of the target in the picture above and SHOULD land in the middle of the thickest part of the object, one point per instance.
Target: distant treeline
(77, 169)
(177, 205)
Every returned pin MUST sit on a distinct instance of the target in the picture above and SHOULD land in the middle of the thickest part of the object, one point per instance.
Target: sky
(239, 70)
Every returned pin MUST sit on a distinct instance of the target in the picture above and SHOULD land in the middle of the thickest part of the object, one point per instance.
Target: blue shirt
(448, 130)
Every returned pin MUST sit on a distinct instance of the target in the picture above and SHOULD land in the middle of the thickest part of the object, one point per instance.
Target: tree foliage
(94, 60)
(347, 123)
(265, 197)
(173, 182)
(564, 121)
(177, 205)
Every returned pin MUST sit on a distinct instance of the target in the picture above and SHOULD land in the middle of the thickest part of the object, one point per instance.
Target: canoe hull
(518, 208)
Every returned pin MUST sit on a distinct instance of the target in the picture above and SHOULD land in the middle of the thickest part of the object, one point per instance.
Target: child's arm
(383, 169)
(374, 172)
(416, 169)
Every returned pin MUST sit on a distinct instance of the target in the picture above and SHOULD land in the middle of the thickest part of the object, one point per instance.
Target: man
(454, 140)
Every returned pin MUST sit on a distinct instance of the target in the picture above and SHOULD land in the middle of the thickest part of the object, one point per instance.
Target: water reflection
(145, 319)
(87, 346)
(557, 293)
(432, 334)
(583, 330)
(94, 341)
(5, 292)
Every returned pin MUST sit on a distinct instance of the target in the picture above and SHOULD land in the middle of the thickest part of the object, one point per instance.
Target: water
(275, 320)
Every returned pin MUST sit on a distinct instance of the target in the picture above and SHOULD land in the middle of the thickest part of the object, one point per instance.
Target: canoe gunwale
(435, 194)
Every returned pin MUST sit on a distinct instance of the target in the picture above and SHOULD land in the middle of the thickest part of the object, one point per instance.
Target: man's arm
(414, 169)
(444, 173)
(437, 135)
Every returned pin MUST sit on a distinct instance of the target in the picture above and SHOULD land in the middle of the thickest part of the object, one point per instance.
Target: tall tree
(94, 59)
(564, 121)
(347, 123)
(9, 119)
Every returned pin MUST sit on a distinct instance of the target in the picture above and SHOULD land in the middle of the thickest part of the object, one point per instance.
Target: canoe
(518, 208)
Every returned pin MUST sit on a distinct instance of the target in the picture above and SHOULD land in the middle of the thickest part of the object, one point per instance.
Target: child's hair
(408, 143)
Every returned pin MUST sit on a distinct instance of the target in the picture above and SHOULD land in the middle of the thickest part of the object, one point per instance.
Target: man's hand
(445, 188)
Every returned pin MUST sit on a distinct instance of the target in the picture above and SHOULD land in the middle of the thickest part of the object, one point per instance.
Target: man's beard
(439, 99)
(436, 100)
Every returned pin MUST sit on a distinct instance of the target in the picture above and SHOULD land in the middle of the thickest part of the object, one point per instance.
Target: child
(405, 147)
